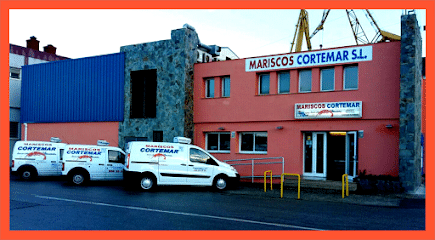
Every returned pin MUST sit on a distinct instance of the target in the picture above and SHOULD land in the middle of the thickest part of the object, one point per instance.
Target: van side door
(47, 161)
(115, 165)
(96, 164)
(200, 167)
(172, 167)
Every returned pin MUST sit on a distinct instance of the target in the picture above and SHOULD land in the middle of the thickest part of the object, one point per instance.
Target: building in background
(19, 57)
(79, 101)
(145, 92)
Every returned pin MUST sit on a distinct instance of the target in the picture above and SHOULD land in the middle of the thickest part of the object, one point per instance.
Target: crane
(302, 28)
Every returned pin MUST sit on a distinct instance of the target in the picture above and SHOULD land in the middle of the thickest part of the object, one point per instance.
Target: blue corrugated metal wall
(78, 90)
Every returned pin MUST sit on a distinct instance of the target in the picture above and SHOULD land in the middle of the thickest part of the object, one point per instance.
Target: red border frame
(429, 233)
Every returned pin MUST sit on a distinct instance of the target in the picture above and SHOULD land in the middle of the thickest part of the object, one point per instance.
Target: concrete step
(315, 184)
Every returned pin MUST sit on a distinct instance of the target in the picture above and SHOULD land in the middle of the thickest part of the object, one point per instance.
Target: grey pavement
(256, 190)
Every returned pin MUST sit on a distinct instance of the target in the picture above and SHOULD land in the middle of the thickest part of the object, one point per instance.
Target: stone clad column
(410, 104)
(173, 61)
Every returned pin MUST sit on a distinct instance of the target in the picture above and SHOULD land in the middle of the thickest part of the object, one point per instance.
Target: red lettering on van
(36, 154)
(86, 156)
(159, 155)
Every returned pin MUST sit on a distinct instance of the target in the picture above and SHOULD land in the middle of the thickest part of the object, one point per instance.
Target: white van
(157, 163)
(82, 163)
(37, 158)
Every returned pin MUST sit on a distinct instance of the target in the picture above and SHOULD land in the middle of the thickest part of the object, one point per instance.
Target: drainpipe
(25, 131)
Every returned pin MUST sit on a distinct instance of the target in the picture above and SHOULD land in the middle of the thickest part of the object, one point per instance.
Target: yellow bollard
(299, 183)
(265, 173)
(342, 185)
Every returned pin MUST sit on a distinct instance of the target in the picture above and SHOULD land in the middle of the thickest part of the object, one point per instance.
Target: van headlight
(232, 168)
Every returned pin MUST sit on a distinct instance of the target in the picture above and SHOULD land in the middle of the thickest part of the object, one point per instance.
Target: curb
(327, 195)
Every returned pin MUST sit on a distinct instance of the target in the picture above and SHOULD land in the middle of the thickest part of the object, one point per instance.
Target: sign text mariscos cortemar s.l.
(306, 59)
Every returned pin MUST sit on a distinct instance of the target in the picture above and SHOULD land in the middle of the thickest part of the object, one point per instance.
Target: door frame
(314, 174)
(352, 173)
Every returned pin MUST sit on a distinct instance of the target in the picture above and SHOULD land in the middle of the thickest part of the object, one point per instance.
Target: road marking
(181, 213)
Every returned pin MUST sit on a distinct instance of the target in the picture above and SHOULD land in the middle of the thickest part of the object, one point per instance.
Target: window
(218, 142)
(327, 79)
(350, 78)
(199, 156)
(305, 80)
(116, 157)
(226, 86)
(255, 142)
(143, 94)
(157, 136)
(284, 82)
(209, 88)
(14, 129)
(14, 72)
(264, 84)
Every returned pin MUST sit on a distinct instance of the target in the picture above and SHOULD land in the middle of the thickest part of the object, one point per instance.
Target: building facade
(145, 92)
(77, 100)
(19, 57)
(326, 112)
(346, 110)
(353, 110)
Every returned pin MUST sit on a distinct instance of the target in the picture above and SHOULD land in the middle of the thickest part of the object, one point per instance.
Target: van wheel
(27, 173)
(147, 182)
(220, 183)
(78, 178)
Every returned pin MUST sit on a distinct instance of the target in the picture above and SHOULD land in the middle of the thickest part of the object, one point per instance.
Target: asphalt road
(52, 204)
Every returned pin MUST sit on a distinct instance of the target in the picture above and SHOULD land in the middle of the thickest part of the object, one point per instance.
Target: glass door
(351, 154)
(315, 154)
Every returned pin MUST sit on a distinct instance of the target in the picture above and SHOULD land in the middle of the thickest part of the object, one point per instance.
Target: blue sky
(249, 33)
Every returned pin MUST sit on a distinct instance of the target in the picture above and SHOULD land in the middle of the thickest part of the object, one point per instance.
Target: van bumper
(234, 181)
(130, 177)
(127, 175)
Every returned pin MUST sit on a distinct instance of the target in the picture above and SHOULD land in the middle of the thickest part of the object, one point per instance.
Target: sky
(249, 33)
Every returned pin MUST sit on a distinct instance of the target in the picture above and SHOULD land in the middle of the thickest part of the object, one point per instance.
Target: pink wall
(245, 110)
(379, 86)
(378, 150)
(73, 133)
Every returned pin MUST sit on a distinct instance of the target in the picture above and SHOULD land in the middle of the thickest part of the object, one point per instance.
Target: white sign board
(328, 110)
(311, 58)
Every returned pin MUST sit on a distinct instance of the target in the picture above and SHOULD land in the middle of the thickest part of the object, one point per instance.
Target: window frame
(207, 88)
(143, 94)
(260, 81)
(17, 127)
(15, 71)
(279, 82)
(344, 77)
(219, 139)
(210, 160)
(333, 79)
(253, 143)
(118, 158)
(311, 80)
(223, 85)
